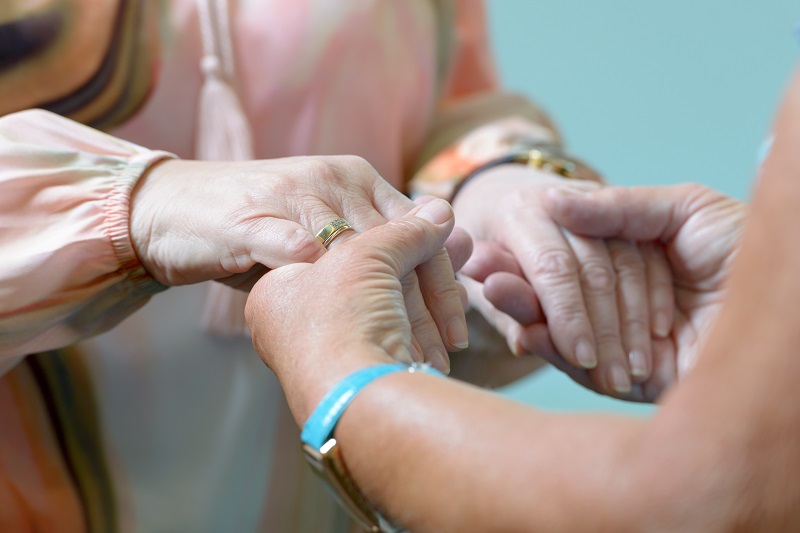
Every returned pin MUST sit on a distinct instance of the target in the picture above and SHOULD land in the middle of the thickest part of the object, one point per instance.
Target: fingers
(634, 307)
(440, 293)
(504, 324)
(489, 257)
(275, 242)
(660, 288)
(433, 300)
(536, 339)
(438, 306)
(459, 245)
(443, 300)
(440, 300)
(635, 213)
(423, 327)
(598, 280)
(363, 201)
(665, 372)
(246, 281)
(513, 296)
(459, 248)
(553, 271)
(406, 243)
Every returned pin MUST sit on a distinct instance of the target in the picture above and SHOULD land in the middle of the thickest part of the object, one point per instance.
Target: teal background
(648, 93)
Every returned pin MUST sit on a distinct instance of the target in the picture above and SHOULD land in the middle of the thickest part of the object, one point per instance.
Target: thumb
(404, 243)
(634, 213)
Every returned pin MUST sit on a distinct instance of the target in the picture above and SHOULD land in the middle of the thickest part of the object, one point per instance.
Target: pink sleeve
(67, 266)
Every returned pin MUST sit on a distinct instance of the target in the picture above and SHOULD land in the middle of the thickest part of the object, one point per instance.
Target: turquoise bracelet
(319, 427)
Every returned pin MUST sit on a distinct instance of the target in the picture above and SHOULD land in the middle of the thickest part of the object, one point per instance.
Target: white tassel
(223, 134)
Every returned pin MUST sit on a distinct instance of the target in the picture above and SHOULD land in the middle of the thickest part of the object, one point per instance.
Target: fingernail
(584, 353)
(638, 362)
(457, 334)
(436, 212)
(619, 380)
(515, 346)
(661, 324)
(440, 360)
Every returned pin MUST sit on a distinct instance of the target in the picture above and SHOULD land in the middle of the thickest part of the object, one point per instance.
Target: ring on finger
(326, 235)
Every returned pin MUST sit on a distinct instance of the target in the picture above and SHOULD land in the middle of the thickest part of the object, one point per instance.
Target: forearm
(744, 423)
(438, 455)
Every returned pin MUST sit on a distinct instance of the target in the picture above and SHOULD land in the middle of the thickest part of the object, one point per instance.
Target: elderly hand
(193, 221)
(601, 300)
(350, 303)
(699, 230)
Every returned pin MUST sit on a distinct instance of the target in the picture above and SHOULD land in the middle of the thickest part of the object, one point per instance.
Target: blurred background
(648, 93)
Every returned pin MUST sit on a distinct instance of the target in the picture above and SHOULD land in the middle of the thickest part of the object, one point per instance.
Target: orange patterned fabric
(475, 120)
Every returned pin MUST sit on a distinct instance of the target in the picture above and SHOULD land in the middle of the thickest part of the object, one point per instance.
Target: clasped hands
(614, 286)
(579, 301)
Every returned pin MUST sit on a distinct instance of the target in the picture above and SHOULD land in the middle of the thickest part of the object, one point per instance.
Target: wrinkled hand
(193, 221)
(313, 324)
(698, 229)
(599, 301)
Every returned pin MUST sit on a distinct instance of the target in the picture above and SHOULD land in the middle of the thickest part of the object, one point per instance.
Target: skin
(699, 231)
(264, 215)
(599, 302)
(720, 455)
(232, 221)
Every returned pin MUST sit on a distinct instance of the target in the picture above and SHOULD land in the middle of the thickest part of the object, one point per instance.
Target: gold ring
(329, 232)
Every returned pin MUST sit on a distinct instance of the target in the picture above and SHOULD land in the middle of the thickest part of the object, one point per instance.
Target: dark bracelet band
(546, 159)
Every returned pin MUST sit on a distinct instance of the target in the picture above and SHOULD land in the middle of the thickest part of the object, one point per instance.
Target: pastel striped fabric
(131, 418)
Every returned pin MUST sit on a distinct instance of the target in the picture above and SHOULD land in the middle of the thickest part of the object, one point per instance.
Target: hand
(194, 221)
(313, 324)
(596, 296)
(699, 230)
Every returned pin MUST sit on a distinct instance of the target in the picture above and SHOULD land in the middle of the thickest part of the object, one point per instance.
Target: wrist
(307, 379)
(547, 159)
(143, 206)
(325, 455)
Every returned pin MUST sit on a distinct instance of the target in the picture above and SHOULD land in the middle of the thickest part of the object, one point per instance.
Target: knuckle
(356, 166)
(318, 171)
(285, 183)
(660, 284)
(356, 161)
(407, 229)
(598, 277)
(567, 316)
(410, 284)
(555, 264)
(627, 259)
(420, 322)
(636, 325)
(607, 337)
(442, 293)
